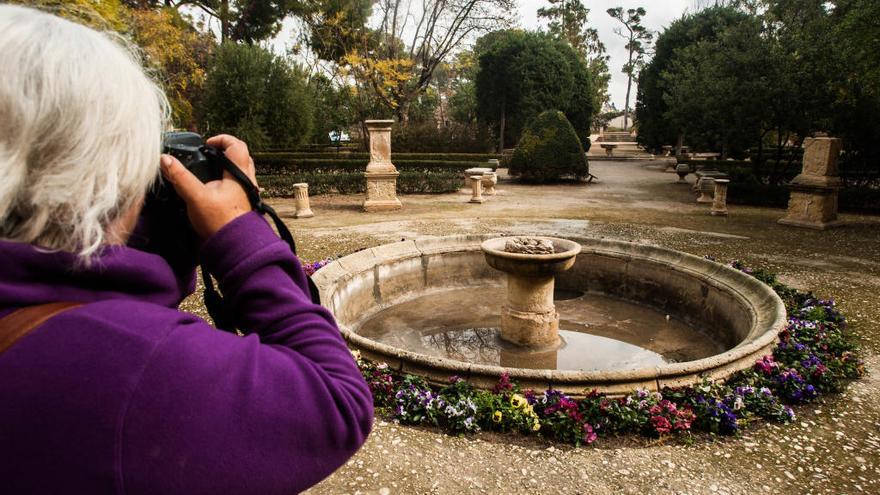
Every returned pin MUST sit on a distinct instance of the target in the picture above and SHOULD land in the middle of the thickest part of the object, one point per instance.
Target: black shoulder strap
(213, 300)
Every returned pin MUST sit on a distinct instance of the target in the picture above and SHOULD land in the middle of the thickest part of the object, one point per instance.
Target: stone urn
(529, 317)
(682, 169)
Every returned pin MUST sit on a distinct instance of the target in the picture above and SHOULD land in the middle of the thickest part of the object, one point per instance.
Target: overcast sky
(660, 13)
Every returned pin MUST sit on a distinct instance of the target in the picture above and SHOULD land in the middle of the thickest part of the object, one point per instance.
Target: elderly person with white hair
(105, 386)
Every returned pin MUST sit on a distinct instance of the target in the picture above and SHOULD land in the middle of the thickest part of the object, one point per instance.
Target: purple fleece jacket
(126, 394)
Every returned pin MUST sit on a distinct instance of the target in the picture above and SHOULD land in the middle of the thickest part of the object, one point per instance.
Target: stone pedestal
(529, 318)
(813, 200)
(719, 206)
(381, 174)
(489, 181)
(301, 197)
(476, 189)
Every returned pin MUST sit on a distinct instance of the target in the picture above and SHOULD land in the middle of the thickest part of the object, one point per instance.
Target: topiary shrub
(549, 150)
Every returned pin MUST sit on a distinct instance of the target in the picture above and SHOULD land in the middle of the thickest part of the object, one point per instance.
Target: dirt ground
(834, 447)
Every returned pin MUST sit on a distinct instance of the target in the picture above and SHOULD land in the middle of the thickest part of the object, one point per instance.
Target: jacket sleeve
(273, 412)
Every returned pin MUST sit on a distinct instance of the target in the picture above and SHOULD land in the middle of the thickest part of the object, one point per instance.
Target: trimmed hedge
(549, 150)
(410, 181)
(267, 166)
(360, 155)
(278, 172)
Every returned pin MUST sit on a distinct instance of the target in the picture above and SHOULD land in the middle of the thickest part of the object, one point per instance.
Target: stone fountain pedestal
(529, 319)
(381, 174)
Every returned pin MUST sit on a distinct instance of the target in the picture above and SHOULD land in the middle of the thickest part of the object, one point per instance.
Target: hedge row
(359, 155)
(410, 181)
(275, 166)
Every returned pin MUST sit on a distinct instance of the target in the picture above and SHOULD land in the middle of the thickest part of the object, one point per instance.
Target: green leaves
(256, 96)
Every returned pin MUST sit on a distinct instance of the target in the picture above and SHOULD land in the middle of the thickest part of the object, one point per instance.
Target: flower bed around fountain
(725, 304)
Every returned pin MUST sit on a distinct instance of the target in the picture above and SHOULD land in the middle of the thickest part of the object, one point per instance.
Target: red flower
(661, 424)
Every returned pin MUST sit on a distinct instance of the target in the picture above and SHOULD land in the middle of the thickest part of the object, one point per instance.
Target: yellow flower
(496, 417)
(518, 401)
(356, 355)
(536, 426)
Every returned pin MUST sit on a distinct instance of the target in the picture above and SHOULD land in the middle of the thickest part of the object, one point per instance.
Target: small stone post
(476, 189)
(813, 199)
(719, 206)
(301, 196)
(381, 174)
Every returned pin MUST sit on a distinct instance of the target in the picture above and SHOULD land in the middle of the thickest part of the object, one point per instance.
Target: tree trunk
(501, 133)
(224, 20)
(629, 80)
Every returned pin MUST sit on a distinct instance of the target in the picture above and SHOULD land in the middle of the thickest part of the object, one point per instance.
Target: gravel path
(834, 447)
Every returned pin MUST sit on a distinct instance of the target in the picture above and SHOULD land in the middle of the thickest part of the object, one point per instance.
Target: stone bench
(489, 178)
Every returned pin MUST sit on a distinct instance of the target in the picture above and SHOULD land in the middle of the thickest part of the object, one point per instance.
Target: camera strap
(213, 300)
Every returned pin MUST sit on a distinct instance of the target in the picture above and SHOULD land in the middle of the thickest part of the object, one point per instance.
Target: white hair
(80, 131)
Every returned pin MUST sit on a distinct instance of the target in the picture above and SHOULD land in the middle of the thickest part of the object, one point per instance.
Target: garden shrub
(549, 150)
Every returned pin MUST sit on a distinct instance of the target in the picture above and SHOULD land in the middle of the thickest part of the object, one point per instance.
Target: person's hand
(211, 206)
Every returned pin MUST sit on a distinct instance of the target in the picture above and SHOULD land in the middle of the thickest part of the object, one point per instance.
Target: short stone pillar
(707, 188)
(301, 196)
(494, 163)
(489, 181)
(719, 206)
(381, 174)
(813, 199)
(476, 189)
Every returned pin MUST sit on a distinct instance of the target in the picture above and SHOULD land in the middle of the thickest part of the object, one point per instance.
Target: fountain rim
(746, 289)
(572, 249)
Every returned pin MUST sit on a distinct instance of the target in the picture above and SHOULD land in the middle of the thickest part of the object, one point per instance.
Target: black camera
(194, 154)
(163, 227)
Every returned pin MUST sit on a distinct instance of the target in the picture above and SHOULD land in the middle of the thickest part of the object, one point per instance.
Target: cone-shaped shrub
(549, 150)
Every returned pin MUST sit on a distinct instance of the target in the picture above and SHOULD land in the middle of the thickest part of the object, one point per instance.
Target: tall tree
(522, 74)
(568, 20)
(397, 58)
(655, 129)
(257, 96)
(637, 37)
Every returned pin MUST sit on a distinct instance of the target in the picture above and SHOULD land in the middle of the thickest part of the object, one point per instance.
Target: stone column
(301, 196)
(530, 317)
(719, 206)
(476, 189)
(381, 175)
(813, 199)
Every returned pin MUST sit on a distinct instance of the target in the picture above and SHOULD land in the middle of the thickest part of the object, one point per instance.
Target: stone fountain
(623, 316)
(530, 318)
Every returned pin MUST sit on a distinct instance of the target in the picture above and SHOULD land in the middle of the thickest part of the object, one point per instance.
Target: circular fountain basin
(631, 315)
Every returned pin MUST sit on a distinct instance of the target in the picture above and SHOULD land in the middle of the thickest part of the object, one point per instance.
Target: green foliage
(549, 150)
(332, 111)
(426, 137)
(523, 73)
(278, 172)
(362, 157)
(256, 96)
